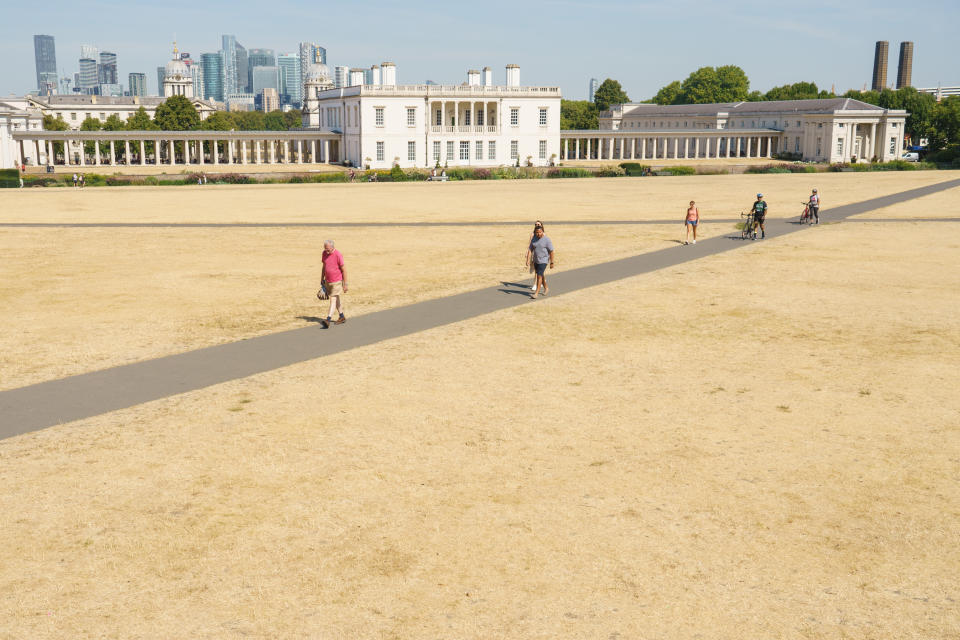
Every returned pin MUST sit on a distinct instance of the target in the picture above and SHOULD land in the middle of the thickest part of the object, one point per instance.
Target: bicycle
(807, 215)
(747, 228)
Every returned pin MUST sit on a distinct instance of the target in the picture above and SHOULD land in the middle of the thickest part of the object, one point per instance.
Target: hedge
(681, 171)
(633, 168)
(9, 178)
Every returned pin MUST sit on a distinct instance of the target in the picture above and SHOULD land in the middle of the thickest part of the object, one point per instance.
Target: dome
(318, 73)
(177, 69)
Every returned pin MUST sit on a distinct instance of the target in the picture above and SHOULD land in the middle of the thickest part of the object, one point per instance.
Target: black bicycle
(748, 224)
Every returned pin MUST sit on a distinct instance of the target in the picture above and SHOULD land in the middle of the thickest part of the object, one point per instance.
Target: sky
(645, 45)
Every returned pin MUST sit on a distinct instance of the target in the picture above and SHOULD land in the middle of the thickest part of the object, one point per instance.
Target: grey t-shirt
(541, 248)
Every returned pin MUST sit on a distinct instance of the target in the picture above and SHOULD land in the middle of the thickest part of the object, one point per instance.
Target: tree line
(177, 113)
(939, 122)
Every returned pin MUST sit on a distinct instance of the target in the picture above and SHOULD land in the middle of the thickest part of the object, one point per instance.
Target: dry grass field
(760, 444)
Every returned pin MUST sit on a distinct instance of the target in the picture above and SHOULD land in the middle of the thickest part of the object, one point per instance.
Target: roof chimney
(473, 77)
(513, 75)
(487, 77)
(388, 73)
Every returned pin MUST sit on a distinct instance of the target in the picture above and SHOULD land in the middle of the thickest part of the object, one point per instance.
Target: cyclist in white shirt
(814, 205)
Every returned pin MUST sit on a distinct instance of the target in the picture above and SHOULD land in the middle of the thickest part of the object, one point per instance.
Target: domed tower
(317, 80)
(177, 80)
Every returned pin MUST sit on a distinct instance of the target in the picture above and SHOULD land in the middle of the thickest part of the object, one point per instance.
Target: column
(243, 151)
(729, 144)
(313, 151)
(96, 153)
(696, 147)
(257, 147)
(576, 148)
(173, 152)
(566, 148)
(873, 140)
(589, 150)
(20, 162)
(749, 144)
(229, 151)
(769, 144)
(326, 151)
(686, 148)
(113, 155)
(676, 144)
(200, 159)
(51, 158)
(186, 152)
(643, 148)
(126, 152)
(273, 151)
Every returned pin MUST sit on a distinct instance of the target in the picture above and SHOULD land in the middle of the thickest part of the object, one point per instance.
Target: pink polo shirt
(332, 265)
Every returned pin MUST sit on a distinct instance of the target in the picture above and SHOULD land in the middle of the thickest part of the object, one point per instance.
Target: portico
(599, 144)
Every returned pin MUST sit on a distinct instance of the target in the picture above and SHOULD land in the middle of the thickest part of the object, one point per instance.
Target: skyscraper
(107, 68)
(243, 70)
(45, 58)
(905, 68)
(212, 65)
(161, 72)
(89, 77)
(137, 82)
(265, 78)
(228, 53)
(89, 51)
(310, 53)
(594, 83)
(880, 65)
(258, 58)
(199, 90)
(340, 76)
(289, 67)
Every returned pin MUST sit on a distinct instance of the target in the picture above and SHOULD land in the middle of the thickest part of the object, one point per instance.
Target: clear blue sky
(643, 44)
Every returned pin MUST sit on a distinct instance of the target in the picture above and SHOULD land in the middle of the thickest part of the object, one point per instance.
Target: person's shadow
(310, 319)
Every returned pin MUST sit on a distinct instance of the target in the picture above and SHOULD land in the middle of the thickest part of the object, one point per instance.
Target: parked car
(911, 156)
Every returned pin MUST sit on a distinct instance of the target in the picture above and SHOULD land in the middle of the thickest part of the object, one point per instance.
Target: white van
(911, 156)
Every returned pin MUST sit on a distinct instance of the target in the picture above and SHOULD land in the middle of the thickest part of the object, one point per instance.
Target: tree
(56, 124)
(273, 121)
(249, 120)
(945, 123)
(715, 84)
(795, 91)
(670, 94)
(90, 124)
(113, 123)
(609, 93)
(219, 121)
(176, 113)
(293, 118)
(140, 121)
(578, 114)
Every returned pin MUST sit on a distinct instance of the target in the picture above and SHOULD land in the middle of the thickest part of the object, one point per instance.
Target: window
(491, 150)
(436, 150)
(819, 146)
(103, 116)
(796, 147)
(480, 118)
(543, 149)
(514, 150)
(840, 146)
(893, 146)
(464, 150)
(894, 125)
(411, 116)
(819, 125)
(450, 150)
(378, 116)
(439, 119)
(798, 123)
(412, 151)
(73, 116)
(543, 116)
(840, 125)
(479, 151)
(466, 117)
(379, 151)
(514, 116)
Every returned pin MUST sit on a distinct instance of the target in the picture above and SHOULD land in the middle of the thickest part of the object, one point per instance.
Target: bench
(662, 173)
(438, 178)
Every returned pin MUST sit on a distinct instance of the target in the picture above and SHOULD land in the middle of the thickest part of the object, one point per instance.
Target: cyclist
(814, 205)
(759, 209)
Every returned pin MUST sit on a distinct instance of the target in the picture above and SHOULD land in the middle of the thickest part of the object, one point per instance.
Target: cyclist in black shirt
(759, 209)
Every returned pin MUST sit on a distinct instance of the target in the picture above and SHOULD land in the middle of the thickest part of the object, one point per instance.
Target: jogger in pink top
(691, 221)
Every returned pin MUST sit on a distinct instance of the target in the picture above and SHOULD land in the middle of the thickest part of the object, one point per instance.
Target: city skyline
(839, 54)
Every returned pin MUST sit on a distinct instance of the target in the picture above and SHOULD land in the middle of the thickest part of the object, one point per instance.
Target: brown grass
(614, 463)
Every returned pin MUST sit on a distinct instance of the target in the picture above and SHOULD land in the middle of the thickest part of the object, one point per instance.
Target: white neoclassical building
(829, 130)
(475, 124)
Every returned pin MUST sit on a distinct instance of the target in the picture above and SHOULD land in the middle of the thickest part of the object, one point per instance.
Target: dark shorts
(540, 268)
(693, 222)
(759, 217)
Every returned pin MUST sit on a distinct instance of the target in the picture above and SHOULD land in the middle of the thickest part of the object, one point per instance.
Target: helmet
(759, 195)
(814, 190)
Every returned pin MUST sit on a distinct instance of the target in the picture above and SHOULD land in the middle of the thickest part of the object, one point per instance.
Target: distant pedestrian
(541, 252)
(691, 222)
(21, 180)
(814, 205)
(759, 209)
(536, 225)
(83, 181)
(75, 178)
(334, 282)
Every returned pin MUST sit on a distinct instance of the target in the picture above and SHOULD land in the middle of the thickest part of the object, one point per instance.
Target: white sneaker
(694, 242)
(533, 288)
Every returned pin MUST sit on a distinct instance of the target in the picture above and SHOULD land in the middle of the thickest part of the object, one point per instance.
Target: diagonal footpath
(57, 401)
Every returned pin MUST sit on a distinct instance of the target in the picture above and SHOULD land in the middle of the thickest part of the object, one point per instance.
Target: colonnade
(469, 119)
(620, 147)
(87, 149)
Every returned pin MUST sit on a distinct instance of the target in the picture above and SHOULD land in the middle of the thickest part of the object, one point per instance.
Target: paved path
(49, 403)
(827, 217)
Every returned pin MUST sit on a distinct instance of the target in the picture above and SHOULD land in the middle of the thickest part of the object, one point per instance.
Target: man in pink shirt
(334, 282)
